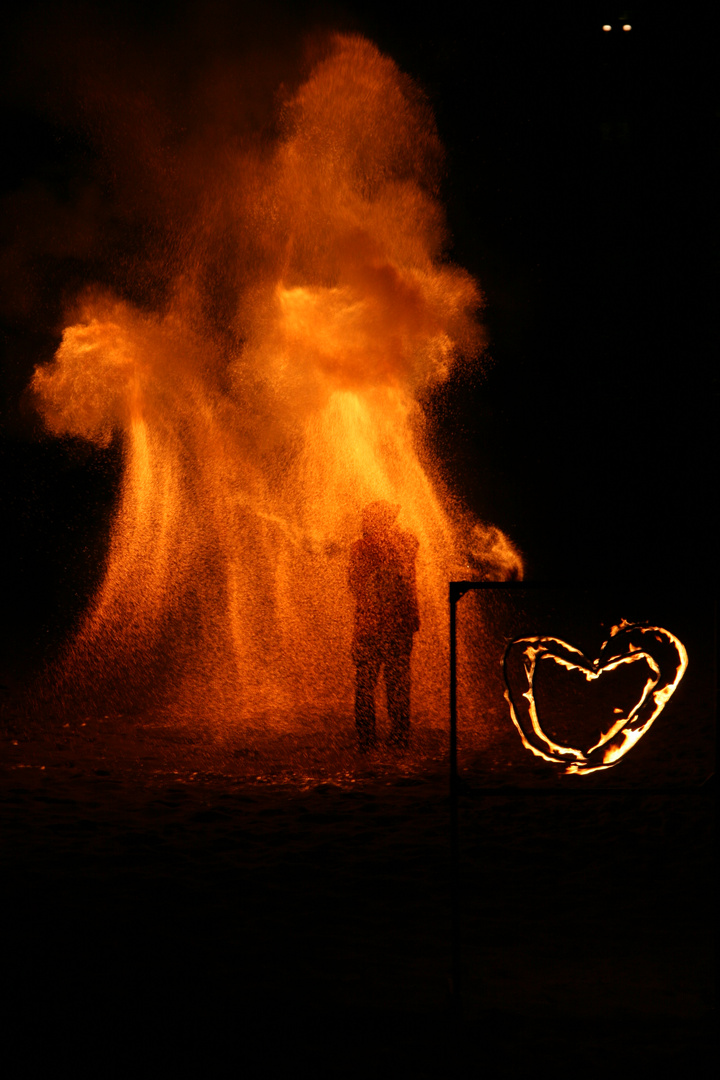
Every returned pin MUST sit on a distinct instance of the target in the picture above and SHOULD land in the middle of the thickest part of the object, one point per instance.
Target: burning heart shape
(661, 654)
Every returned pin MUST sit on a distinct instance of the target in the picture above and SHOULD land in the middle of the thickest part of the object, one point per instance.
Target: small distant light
(607, 26)
(627, 26)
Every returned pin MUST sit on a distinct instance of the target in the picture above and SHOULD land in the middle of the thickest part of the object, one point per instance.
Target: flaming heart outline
(627, 643)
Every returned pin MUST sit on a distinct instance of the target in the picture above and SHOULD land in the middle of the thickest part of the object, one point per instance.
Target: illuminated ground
(165, 897)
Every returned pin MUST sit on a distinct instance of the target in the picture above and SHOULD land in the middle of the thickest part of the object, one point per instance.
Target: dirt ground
(278, 902)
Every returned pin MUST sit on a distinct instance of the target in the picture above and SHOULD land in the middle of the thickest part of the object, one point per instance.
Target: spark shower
(251, 442)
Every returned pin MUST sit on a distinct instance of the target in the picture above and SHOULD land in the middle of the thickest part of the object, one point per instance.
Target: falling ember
(250, 448)
(660, 654)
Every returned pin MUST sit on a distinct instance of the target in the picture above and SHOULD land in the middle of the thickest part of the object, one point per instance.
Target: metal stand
(457, 591)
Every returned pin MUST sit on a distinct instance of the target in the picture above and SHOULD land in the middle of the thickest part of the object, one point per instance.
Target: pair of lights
(626, 26)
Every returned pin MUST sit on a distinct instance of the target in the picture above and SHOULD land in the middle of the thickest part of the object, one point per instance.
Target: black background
(578, 183)
(580, 191)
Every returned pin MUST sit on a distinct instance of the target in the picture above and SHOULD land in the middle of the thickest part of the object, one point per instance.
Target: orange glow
(250, 449)
(627, 26)
(662, 652)
(607, 27)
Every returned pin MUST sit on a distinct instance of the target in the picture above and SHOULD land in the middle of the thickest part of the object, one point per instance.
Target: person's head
(378, 517)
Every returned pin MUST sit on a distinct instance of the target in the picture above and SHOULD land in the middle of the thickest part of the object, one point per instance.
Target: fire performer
(382, 579)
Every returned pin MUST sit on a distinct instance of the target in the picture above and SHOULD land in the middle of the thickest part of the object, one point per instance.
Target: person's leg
(397, 681)
(366, 677)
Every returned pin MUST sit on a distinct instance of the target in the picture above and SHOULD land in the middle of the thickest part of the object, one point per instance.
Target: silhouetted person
(382, 578)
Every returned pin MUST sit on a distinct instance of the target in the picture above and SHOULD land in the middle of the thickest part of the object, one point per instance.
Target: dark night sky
(579, 190)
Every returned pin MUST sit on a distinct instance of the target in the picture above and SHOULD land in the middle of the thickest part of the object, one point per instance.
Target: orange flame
(251, 448)
(662, 652)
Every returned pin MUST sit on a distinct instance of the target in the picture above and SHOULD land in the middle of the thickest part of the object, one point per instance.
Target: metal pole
(454, 847)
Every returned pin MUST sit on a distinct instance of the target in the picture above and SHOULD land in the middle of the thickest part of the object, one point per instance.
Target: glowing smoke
(252, 439)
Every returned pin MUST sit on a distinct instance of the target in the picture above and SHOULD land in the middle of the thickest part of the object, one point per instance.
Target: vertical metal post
(455, 594)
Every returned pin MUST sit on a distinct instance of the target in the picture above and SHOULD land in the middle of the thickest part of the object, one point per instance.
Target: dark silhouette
(382, 578)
